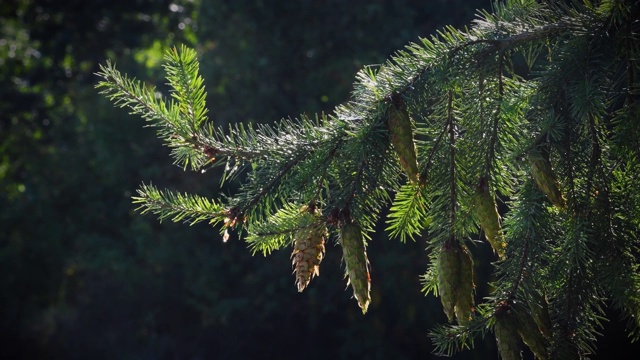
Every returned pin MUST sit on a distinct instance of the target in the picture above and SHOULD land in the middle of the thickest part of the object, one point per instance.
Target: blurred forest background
(84, 276)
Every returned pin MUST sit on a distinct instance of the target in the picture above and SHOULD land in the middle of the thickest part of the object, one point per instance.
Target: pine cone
(401, 132)
(357, 264)
(308, 251)
(455, 281)
(546, 180)
(448, 277)
(539, 307)
(505, 330)
(530, 333)
(465, 289)
(487, 213)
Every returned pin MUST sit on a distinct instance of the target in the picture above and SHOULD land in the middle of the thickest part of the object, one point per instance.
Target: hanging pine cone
(357, 264)
(506, 334)
(401, 132)
(308, 251)
(539, 307)
(530, 333)
(486, 211)
(465, 289)
(448, 277)
(546, 180)
(455, 281)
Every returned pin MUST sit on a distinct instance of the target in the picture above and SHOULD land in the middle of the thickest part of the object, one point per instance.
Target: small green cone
(448, 275)
(530, 333)
(539, 307)
(486, 211)
(401, 133)
(455, 281)
(546, 180)
(506, 333)
(357, 263)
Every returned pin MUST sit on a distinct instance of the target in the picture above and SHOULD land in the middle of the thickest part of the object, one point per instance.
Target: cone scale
(546, 180)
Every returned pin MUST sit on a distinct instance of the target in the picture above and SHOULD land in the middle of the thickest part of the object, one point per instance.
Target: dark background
(85, 276)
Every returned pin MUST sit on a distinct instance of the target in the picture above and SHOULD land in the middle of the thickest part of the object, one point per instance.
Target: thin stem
(452, 163)
(434, 149)
(521, 266)
(496, 119)
(354, 184)
(328, 159)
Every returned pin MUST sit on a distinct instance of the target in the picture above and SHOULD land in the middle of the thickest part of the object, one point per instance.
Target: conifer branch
(452, 339)
(247, 207)
(475, 118)
(125, 92)
(408, 214)
(178, 206)
(188, 86)
(279, 229)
